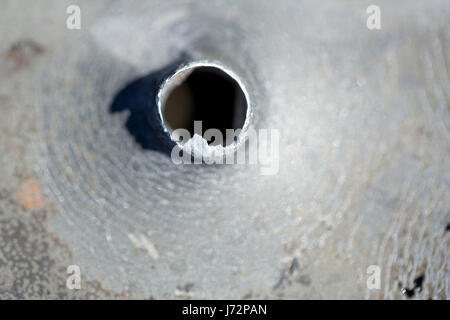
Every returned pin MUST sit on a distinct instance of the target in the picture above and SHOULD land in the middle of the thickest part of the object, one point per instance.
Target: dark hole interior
(209, 95)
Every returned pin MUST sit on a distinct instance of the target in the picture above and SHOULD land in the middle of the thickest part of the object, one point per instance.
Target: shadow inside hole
(209, 95)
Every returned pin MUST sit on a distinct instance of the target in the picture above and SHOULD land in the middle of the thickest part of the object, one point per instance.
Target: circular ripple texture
(136, 221)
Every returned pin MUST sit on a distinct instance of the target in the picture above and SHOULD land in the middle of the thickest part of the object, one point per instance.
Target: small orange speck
(30, 195)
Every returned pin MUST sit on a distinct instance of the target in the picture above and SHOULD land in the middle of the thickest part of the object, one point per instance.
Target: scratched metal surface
(364, 153)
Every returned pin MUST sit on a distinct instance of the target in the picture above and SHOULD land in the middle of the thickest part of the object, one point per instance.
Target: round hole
(205, 93)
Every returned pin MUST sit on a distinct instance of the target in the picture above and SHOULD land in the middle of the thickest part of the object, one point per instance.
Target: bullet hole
(204, 93)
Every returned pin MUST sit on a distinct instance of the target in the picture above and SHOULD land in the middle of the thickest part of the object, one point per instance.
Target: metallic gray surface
(364, 171)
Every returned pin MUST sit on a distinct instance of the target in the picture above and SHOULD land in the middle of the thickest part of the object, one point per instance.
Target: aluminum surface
(364, 155)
